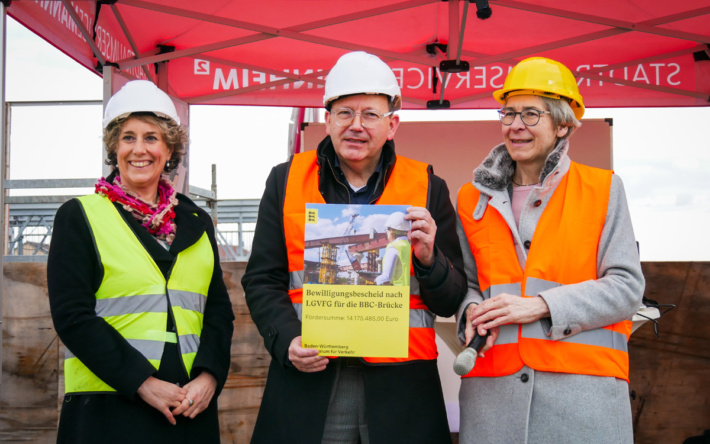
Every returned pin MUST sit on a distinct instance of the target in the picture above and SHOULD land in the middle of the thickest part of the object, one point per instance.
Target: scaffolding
(372, 256)
(30, 219)
(328, 263)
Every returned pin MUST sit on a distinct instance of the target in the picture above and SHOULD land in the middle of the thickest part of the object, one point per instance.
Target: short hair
(174, 136)
(561, 114)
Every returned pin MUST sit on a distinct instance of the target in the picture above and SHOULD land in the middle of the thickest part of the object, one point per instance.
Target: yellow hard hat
(544, 77)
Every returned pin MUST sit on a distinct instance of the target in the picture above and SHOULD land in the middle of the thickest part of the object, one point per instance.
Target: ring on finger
(190, 402)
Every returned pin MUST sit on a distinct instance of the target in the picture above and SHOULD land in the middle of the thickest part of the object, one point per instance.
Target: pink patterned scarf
(156, 218)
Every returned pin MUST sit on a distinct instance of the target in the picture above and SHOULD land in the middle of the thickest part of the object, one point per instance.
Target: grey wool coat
(532, 406)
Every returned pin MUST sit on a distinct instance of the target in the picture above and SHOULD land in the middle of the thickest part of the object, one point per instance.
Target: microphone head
(465, 361)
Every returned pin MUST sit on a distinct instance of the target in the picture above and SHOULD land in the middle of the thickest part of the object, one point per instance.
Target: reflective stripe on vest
(132, 295)
(560, 254)
(408, 184)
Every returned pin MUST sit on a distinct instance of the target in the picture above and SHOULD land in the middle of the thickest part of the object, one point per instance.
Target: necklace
(521, 185)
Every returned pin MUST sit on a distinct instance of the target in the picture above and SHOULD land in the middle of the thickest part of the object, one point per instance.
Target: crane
(348, 230)
(329, 253)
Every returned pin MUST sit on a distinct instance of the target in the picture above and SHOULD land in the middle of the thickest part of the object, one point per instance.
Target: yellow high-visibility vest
(133, 296)
(405, 252)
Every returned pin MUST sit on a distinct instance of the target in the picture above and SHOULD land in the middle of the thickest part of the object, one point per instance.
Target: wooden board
(32, 380)
(454, 149)
(668, 373)
(28, 393)
(241, 397)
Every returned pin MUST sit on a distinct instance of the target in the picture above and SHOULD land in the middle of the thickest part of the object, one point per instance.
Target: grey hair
(561, 114)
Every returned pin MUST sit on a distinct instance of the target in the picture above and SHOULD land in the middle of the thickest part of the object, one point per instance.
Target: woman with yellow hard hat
(136, 291)
(554, 277)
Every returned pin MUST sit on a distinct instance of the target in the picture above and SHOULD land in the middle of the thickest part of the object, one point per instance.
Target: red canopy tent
(625, 53)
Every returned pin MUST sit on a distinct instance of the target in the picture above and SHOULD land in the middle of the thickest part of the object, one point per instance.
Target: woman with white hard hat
(554, 277)
(136, 290)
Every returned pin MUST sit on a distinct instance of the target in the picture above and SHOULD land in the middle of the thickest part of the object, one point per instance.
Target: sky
(332, 221)
(661, 154)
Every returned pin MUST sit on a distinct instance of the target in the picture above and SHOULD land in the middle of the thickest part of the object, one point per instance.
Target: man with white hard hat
(315, 399)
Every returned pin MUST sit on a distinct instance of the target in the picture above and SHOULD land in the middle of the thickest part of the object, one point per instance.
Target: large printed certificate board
(356, 281)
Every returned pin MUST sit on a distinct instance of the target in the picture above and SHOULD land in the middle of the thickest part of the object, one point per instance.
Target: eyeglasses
(368, 119)
(530, 116)
(662, 309)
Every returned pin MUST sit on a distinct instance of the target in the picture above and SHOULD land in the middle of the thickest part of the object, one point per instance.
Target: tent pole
(462, 32)
(108, 74)
(454, 42)
(84, 32)
(131, 42)
(4, 132)
(455, 45)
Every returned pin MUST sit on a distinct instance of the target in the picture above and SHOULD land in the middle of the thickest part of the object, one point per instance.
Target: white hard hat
(361, 73)
(397, 222)
(140, 96)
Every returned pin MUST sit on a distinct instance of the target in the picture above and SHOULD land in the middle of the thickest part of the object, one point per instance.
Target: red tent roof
(277, 52)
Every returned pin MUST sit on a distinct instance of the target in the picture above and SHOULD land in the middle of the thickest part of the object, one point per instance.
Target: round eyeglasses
(529, 117)
(368, 119)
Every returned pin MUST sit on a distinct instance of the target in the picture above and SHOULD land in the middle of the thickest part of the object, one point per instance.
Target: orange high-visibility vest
(408, 184)
(563, 251)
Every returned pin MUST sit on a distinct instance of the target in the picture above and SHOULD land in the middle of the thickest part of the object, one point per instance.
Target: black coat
(404, 402)
(73, 276)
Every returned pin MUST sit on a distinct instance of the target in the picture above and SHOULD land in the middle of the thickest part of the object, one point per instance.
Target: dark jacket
(73, 276)
(404, 402)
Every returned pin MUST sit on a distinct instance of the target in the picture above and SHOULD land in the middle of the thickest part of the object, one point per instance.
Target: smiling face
(141, 155)
(530, 145)
(359, 148)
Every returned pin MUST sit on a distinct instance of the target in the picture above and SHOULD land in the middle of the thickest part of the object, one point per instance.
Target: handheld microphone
(465, 361)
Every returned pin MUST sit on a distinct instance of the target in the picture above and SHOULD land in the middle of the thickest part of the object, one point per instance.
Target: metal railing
(31, 219)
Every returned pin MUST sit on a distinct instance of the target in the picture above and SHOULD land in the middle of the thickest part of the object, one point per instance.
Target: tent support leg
(4, 134)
